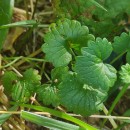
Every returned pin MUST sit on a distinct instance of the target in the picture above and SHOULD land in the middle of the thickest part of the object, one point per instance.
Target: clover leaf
(64, 36)
(90, 67)
(78, 97)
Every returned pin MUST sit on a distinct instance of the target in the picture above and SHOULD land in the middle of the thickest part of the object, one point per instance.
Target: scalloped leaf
(78, 97)
(20, 93)
(31, 75)
(63, 36)
(23, 90)
(26, 86)
(125, 73)
(90, 67)
(7, 81)
(48, 95)
(121, 43)
(57, 74)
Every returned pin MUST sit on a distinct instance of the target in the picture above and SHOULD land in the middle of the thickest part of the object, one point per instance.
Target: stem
(11, 63)
(116, 101)
(25, 58)
(115, 59)
(0, 60)
(34, 59)
(30, 56)
(16, 71)
(46, 13)
(43, 72)
(26, 8)
(113, 123)
(46, 75)
(34, 11)
(72, 52)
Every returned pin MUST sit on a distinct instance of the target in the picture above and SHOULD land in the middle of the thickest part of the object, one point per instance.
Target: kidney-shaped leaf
(48, 95)
(79, 97)
(121, 43)
(64, 35)
(91, 69)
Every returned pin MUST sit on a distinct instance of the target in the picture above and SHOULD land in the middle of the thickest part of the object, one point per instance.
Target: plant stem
(26, 8)
(34, 10)
(25, 58)
(11, 63)
(113, 123)
(116, 101)
(30, 56)
(115, 59)
(11, 67)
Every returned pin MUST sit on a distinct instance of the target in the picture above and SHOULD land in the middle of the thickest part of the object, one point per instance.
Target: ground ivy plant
(82, 75)
(83, 72)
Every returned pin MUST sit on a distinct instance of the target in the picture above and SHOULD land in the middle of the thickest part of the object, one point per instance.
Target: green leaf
(63, 36)
(31, 75)
(121, 43)
(48, 95)
(6, 7)
(7, 81)
(91, 69)
(26, 86)
(49, 122)
(78, 97)
(20, 92)
(57, 74)
(125, 73)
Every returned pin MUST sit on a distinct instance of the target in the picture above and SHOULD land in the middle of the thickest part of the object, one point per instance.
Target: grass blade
(19, 24)
(4, 117)
(49, 122)
(60, 115)
(98, 5)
